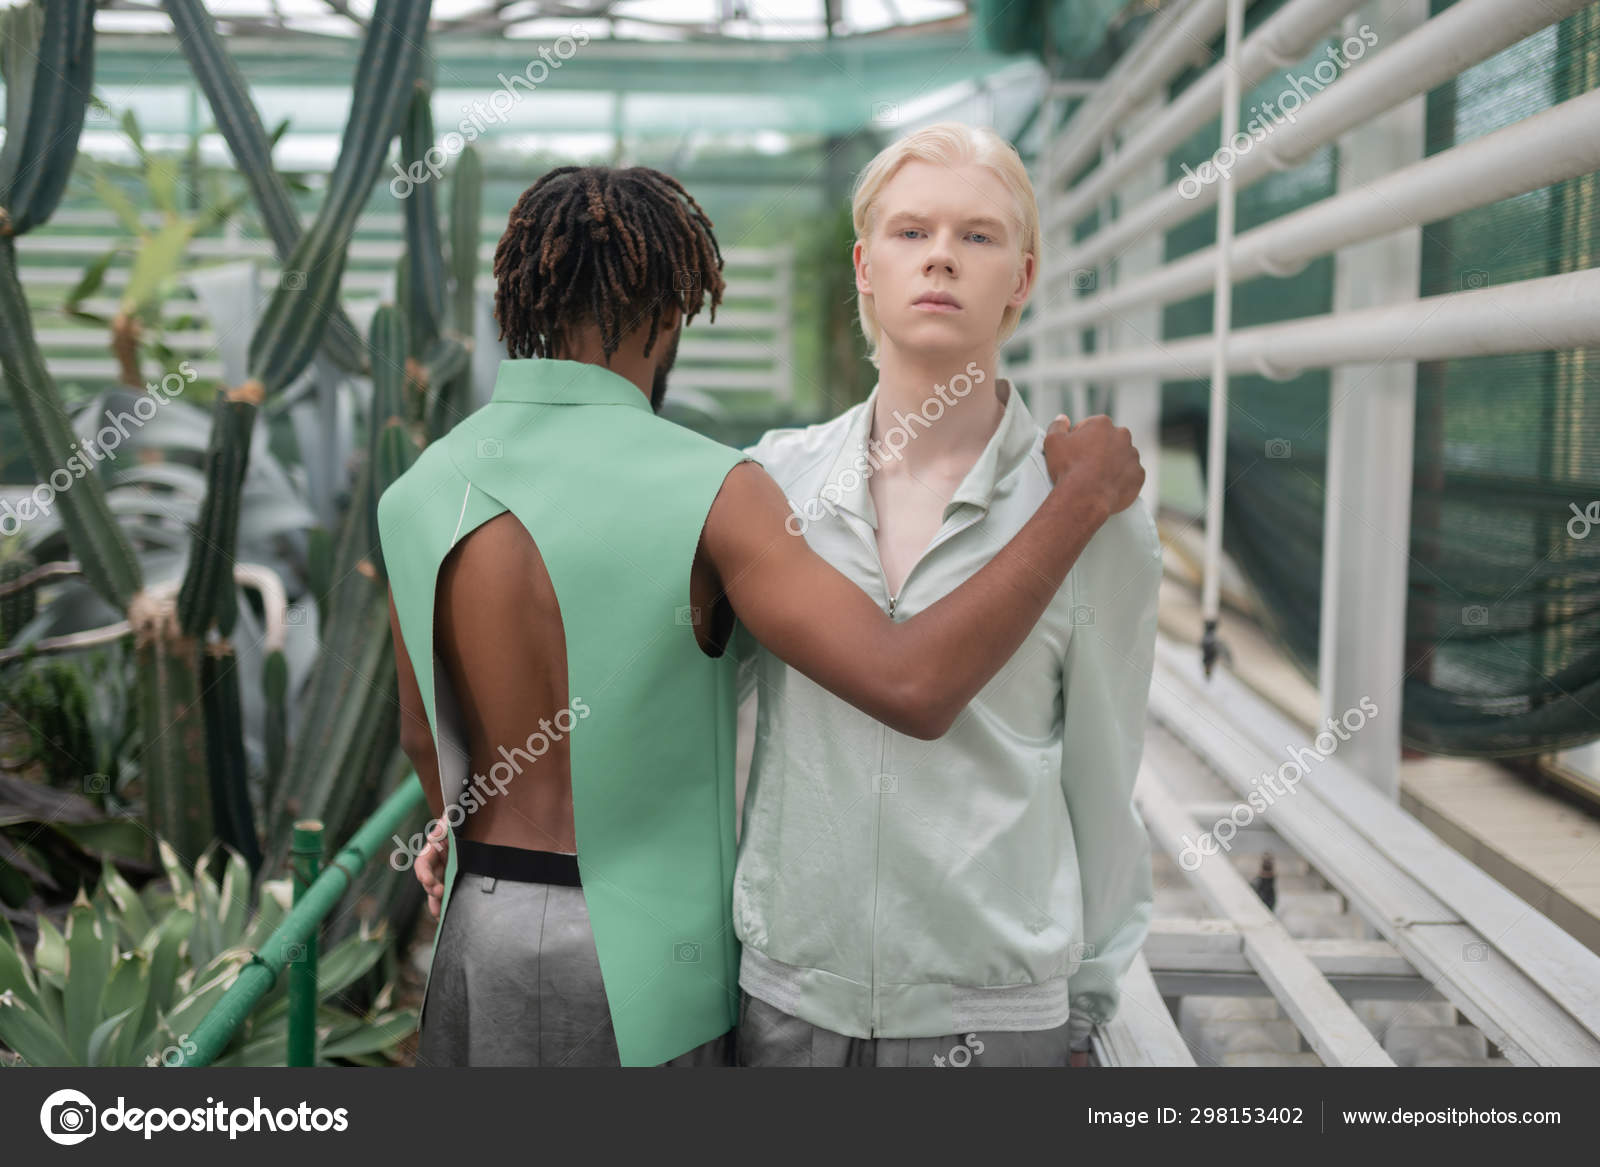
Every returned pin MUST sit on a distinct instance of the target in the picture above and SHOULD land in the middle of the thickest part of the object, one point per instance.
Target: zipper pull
(892, 600)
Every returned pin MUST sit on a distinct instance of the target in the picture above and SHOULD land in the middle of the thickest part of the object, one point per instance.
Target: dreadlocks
(594, 243)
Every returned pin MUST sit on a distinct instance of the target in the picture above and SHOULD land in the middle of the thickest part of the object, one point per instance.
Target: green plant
(159, 254)
(134, 972)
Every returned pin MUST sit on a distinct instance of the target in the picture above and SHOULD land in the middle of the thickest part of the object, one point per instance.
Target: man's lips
(936, 302)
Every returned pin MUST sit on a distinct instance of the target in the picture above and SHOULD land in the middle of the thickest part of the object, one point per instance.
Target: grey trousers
(516, 982)
(770, 1037)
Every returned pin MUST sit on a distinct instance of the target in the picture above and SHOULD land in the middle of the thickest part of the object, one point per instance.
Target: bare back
(500, 637)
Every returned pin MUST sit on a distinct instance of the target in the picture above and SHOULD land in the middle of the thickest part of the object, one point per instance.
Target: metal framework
(670, 20)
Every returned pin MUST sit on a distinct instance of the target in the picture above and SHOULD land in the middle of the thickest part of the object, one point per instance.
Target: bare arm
(416, 738)
(917, 675)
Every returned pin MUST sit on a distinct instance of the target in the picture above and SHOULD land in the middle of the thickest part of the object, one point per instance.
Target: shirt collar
(1010, 443)
(553, 382)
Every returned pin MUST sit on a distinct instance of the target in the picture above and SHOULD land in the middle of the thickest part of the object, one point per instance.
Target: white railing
(1373, 111)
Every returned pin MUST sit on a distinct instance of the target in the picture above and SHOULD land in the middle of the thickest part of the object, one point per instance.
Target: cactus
(208, 595)
(449, 361)
(230, 789)
(240, 124)
(177, 790)
(275, 688)
(48, 65)
(425, 277)
(18, 607)
(388, 354)
(289, 332)
(49, 69)
(466, 213)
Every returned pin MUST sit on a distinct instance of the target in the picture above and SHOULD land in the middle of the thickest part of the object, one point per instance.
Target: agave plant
(133, 973)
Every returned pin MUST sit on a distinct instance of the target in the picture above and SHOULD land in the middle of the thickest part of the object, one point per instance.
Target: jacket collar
(552, 382)
(1007, 447)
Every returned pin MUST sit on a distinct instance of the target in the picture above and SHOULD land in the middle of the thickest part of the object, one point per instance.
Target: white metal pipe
(1222, 323)
(1279, 42)
(1552, 146)
(1551, 313)
(1459, 37)
(1160, 54)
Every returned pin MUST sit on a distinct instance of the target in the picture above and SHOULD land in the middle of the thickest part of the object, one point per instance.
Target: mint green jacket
(615, 498)
(999, 877)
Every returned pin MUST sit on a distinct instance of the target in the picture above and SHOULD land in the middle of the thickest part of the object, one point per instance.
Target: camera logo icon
(67, 1117)
(686, 952)
(1278, 448)
(490, 448)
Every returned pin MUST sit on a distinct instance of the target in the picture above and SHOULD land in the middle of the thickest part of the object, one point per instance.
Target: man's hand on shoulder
(1095, 457)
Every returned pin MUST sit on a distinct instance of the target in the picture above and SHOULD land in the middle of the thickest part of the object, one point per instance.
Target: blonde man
(973, 900)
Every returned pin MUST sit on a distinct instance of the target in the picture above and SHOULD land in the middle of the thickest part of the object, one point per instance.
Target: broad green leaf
(89, 954)
(235, 900)
(165, 945)
(14, 971)
(273, 902)
(130, 127)
(161, 175)
(104, 1038)
(374, 1036)
(30, 1035)
(120, 204)
(50, 950)
(177, 875)
(119, 838)
(156, 263)
(348, 963)
(93, 276)
(134, 921)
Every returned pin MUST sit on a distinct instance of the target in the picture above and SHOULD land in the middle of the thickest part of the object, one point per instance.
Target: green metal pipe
(218, 1026)
(305, 860)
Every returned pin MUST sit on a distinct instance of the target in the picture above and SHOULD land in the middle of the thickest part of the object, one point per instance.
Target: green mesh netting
(1503, 617)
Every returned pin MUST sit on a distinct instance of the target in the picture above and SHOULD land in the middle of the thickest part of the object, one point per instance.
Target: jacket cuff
(1079, 1028)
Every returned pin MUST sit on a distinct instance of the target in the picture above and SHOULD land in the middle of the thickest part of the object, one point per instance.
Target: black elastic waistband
(517, 863)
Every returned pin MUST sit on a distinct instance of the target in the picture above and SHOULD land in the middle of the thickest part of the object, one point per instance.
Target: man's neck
(956, 393)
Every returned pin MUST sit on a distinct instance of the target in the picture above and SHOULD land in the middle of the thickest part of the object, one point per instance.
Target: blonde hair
(951, 144)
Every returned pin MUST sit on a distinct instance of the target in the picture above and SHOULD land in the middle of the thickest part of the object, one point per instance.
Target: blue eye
(904, 231)
(981, 236)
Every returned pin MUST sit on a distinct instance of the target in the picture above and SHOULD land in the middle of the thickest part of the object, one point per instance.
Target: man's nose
(940, 256)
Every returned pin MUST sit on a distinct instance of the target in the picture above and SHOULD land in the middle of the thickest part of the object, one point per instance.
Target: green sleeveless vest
(615, 498)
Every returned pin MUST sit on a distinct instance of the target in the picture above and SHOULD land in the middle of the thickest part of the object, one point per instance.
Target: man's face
(658, 385)
(942, 260)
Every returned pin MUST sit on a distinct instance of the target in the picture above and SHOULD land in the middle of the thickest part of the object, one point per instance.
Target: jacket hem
(844, 1006)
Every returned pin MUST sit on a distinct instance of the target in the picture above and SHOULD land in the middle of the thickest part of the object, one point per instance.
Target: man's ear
(863, 266)
(1023, 287)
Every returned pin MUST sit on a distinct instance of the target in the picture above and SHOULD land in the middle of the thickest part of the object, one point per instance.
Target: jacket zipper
(874, 1020)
